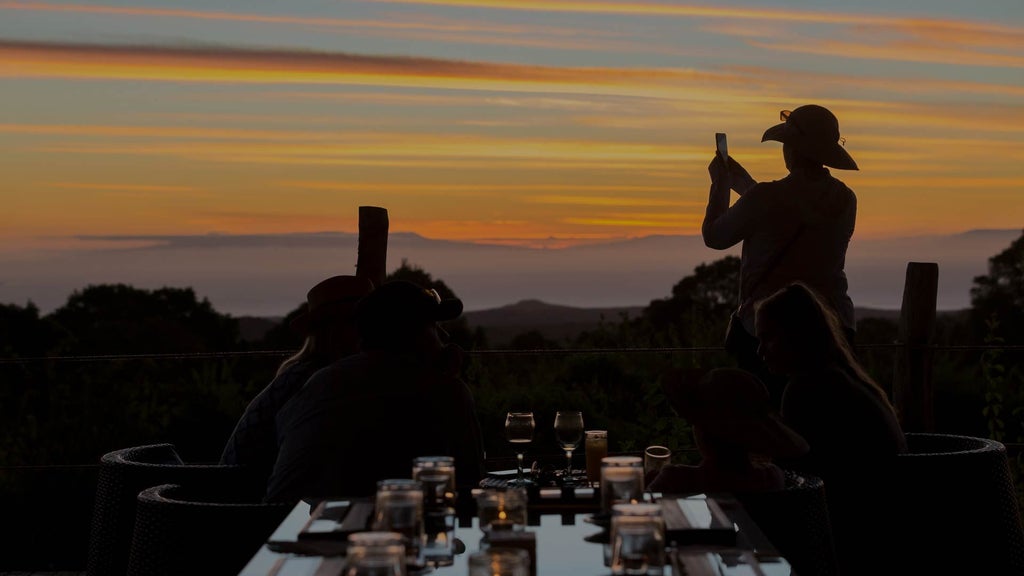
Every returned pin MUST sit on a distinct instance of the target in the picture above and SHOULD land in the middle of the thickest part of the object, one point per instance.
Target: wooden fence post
(372, 259)
(913, 390)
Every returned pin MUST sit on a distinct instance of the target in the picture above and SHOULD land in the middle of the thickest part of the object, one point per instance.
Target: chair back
(185, 530)
(796, 521)
(956, 507)
(122, 475)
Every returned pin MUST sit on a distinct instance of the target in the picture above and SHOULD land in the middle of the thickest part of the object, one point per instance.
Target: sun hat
(334, 297)
(399, 304)
(814, 131)
(733, 405)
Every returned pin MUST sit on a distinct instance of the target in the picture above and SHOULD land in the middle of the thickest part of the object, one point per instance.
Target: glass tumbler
(655, 458)
(595, 446)
(501, 509)
(499, 562)
(375, 554)
(398, 507)
(622, 481)
(637, 540)
(437, 474)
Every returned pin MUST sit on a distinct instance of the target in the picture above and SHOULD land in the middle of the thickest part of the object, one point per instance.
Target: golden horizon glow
(597, 126)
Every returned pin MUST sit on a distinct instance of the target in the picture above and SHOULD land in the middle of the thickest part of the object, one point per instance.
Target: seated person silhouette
(328, 325)
(365, 417)
(829, 398)
(735, 430)
(851, 427)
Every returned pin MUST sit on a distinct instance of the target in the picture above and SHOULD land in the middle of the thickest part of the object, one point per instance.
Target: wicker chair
(185, 530)
(122, 475)
(796, 521)
(956, 510)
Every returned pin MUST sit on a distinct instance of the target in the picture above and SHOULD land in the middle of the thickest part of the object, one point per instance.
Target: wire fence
(496, 352)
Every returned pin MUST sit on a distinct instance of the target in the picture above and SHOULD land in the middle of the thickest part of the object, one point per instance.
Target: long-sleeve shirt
(364, 418)
(794, 229)
(253, 443)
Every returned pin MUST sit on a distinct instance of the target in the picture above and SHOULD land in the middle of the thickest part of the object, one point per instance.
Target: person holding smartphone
(797, 228)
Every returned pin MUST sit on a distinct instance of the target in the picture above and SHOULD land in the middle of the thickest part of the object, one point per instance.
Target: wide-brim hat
(734, 406)
(399, 303)
(814, 132)
(334, 298)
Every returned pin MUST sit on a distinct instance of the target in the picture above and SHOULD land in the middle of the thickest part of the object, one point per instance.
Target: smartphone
(722, 147)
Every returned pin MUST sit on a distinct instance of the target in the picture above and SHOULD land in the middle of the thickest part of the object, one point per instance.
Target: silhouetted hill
(252, 328)
(553, 321)
(533, 313)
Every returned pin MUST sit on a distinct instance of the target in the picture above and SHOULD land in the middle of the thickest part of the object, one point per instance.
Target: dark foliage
(999, 296)
(61, 412)
(120, 319)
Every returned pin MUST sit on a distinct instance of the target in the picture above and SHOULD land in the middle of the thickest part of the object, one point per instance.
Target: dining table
(564, 528)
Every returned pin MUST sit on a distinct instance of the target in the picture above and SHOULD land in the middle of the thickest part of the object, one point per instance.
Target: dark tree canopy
(999, 296)
(698, 310)
(23, 333)
(121, 319)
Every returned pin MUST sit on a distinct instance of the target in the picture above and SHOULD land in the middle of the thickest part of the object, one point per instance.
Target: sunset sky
(541, 122)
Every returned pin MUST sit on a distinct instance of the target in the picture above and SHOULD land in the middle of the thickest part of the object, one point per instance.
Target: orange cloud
(901, 51)
(726, 12)
(52, 60)
(677, 222)
(276, 19)
(620, 199)
(418, 28)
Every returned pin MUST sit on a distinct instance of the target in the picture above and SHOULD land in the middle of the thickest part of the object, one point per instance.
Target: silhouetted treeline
(72, 411)
(67, 409)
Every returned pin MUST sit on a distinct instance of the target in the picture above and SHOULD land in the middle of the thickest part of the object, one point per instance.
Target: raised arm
(724, 227)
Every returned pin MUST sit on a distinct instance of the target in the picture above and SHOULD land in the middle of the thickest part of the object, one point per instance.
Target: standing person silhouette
(328, 324)
(794, 229)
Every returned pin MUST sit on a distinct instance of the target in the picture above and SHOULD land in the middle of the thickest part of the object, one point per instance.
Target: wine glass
(569, 433)
(519, 432)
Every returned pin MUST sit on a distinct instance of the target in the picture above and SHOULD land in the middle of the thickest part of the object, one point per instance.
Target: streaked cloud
(177, 64)
(900, 51)
(272, 132)
(620, 199)
(643, 221)
(121, 187)
(394, 26)
(721, 11)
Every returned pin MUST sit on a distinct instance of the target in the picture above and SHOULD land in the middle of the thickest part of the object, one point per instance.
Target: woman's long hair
(307, 352)
(810, 325)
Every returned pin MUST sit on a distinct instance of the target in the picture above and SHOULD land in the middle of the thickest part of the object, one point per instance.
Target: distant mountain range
(553, 321)
(268, 275)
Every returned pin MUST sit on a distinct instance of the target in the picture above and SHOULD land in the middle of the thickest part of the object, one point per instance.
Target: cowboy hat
(399, 304)
(814, 131)
(334, 297)
(734, 406)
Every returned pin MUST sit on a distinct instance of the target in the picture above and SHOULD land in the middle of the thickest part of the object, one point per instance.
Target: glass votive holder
(499, 562)
(437, 474)
(637, 537)
(375, 554)
(501, 509)
(398, 507)
(622, 481)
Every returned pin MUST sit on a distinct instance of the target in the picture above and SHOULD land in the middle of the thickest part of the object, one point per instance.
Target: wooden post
(913, 391)
(372, 259)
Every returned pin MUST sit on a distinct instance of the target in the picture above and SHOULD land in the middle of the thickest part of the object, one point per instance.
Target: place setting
(408, 525)
(520, 428)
